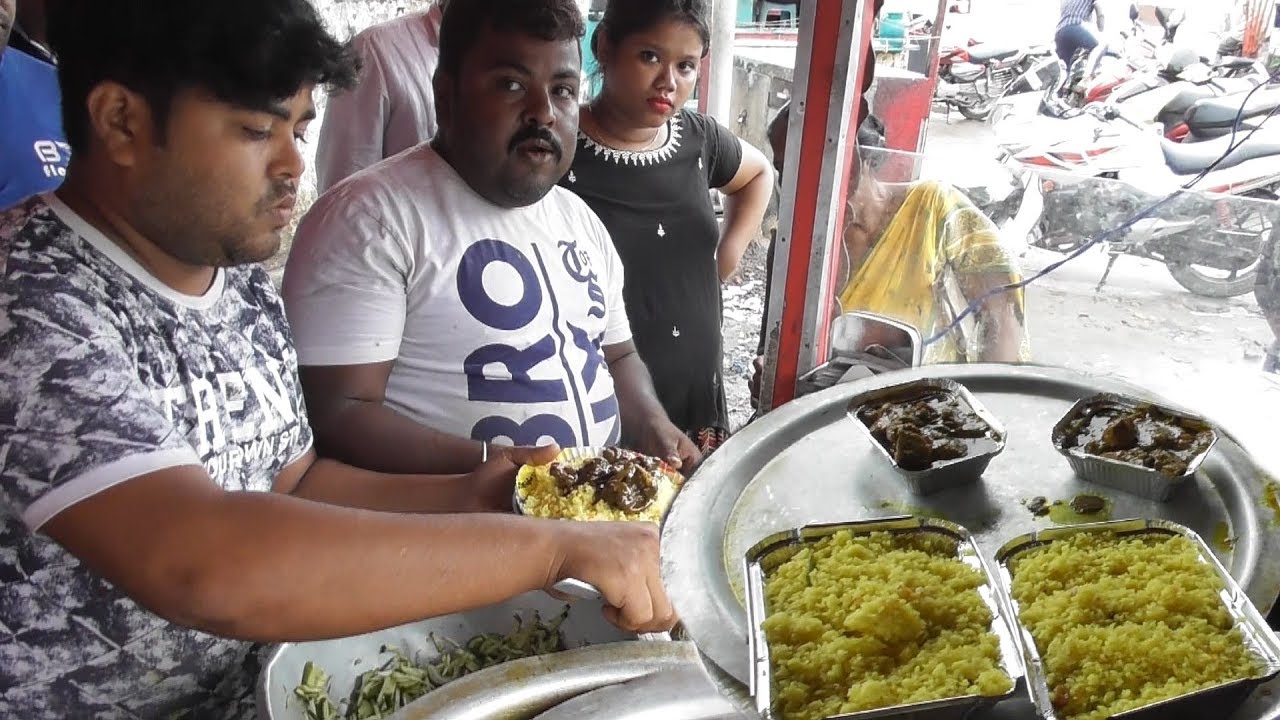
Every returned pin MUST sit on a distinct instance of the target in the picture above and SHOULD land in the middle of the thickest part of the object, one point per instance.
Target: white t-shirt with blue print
(495, 318)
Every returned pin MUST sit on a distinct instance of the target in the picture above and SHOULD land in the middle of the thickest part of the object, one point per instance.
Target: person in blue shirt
(1074, 31)
(32, 145)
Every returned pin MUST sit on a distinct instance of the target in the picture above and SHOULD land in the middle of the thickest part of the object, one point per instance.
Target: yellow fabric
(912, 272)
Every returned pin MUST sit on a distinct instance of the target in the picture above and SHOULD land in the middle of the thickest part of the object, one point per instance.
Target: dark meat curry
(929, 429)
(623, 479)
(1139, 435)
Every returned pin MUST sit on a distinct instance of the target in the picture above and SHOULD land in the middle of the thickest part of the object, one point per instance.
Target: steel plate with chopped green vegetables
(399, 681)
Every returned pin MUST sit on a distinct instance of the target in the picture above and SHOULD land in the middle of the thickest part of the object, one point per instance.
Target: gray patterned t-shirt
(105, 375)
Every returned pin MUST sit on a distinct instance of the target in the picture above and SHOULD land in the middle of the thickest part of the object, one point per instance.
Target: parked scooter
(1092, 181)
(1211, 118)
(1176, 97)
(972, 78)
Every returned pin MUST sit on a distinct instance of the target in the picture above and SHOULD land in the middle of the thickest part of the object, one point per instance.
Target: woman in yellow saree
(921, 253)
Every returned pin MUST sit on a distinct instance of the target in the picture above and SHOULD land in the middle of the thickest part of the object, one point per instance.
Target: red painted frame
(829, 25)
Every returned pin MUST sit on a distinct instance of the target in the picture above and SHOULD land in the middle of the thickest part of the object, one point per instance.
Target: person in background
(1075, 28)
(161, 506)
(453, 298)
(646, 166)
(392, 107)
(32, 146)
(920, 253)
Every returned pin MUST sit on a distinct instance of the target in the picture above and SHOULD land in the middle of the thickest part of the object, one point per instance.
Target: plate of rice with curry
(598, 484)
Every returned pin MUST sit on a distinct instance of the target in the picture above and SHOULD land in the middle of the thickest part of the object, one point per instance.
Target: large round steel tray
(806, 462)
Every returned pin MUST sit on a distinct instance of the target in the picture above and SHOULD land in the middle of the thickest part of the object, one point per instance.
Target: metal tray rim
(1234, 598)
(1001, 621)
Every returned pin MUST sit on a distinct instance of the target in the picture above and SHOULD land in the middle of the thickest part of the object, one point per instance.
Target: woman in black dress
(646, 166)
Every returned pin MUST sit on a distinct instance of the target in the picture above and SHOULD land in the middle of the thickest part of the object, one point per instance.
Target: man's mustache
(279, 191)
(533, 132)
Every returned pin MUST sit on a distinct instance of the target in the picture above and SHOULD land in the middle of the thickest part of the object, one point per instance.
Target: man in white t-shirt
(392, 106)
(453, 297)
(162, 509)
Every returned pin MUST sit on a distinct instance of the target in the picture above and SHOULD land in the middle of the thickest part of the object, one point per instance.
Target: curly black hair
(627, 17)
(465, 20)
(249, 53)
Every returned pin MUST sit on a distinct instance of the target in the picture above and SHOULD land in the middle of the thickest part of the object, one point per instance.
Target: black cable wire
(1232, 146)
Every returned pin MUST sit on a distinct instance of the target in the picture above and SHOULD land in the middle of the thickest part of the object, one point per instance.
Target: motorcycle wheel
(1211, 282)
(1205, 284)
(977, 112)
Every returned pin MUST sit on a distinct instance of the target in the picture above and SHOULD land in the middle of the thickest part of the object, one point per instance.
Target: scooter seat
(1235, 63)
(1175, 111)
(1191, 158)
(990, 51)
(1221, 112)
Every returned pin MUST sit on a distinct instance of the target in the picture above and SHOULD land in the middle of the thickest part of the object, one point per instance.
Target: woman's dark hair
(623, 18)
(871, 133)
(465, 20)
(249, 53)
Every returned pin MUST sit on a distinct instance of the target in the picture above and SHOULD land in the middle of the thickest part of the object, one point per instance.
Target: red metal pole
(834, 42)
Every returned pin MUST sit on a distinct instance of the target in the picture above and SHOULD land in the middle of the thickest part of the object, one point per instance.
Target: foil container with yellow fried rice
(1133, 619)
(598, 484)
(896, 617)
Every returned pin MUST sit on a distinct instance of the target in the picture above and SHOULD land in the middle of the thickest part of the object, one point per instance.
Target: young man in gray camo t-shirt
(161, 506)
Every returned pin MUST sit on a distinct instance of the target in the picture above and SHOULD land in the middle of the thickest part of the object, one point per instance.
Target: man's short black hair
(465, 20)
(249, 53)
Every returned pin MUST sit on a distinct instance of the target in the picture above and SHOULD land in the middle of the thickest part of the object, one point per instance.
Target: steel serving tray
(804, 464)
(1142, 481)
(764, 554)
(943, 475)
(1215, 702)
(344, 659)
(556, 687)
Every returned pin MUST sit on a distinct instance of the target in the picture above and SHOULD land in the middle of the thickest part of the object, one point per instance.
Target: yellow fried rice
(540, 497)
(863, 622)
(1125, 621)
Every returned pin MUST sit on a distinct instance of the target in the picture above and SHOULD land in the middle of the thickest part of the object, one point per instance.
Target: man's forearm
(373, 436)
(335, 483)
(316, 571)
(638, 402)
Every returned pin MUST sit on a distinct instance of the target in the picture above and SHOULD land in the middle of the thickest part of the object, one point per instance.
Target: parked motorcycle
(1191, 103)
(1209, 240)
(1210, 118)
(972, 78)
